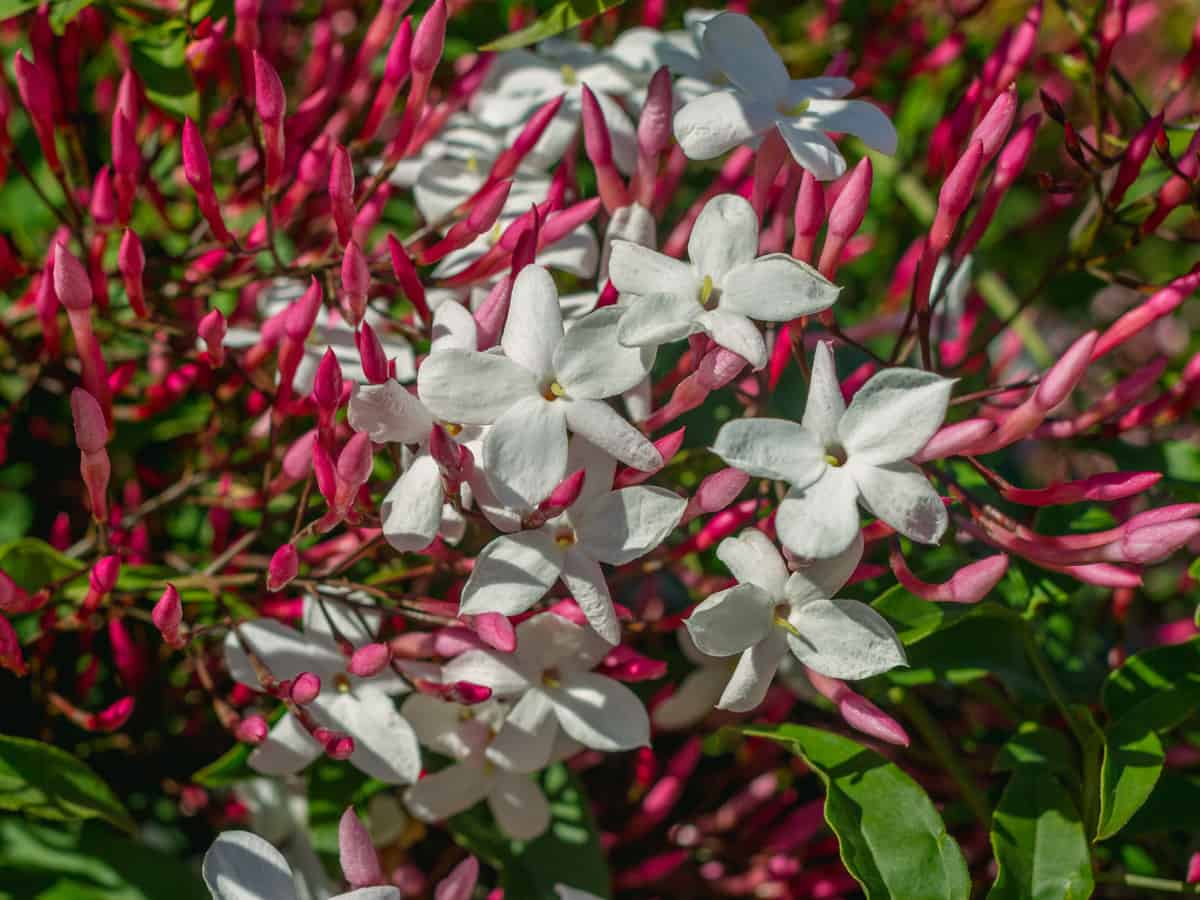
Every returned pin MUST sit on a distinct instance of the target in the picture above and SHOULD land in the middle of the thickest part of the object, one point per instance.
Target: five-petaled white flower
(464, 733)
(771, 611)
(699, 691)
(242, 866)
(765, 97)
(385, 746)
(838, 456)
(720, 291)
(549, 676)
(544, 383)
(514, 571)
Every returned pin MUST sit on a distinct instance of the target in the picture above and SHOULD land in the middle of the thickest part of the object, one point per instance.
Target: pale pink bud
(863, 715)
(654, 127)
(91, 431)
(356, 853)
(460, 883)
(103, 576)
(1102, 488)
(11, 657)
(430, 39)
(952, 439)
(269, 98)
(1155, 543)
(370, 660)
(955, 197)
(993, 128)
(212, 330)
(356, 282)
(371, 354)
(970, 584)
(1062, 377)
(809, 215)
(302, 315)
(716, 492)
(1161, 303)
(327, 383)
(305, 688)
(283, 567)
(252, 730)
(850, 207)
(355, 460)
(495, 630)
(341, 193)
(71, 282)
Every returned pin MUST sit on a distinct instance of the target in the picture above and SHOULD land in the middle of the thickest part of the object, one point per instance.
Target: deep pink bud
(269, 98)
(131, 260)
(11, 657)
(167, 616)
(196, 167)
(71, 282)
(341, 193)
(396, 67)
(850, 207)
(339, 747)
(1062, 377)
(283, 567)
(596, 138)
(305, 688)
(114, 716)
(127, 159)
(1016, 152)
(302, 315)
(508, 161)
(13, 598)
(430, 39)
(1144, 546)
(36, 94)
(327, 384)
(1134, 157)
(566, 493)
(955, 197)
(212, 331)
(468, 694)
(487, 206)
(667, 446)
(371, 354)
(103, 576)
(1193, 869)
(809, 216)
(91, 431)
(251, 730)
(103, 203)
(356, 853)
(355, 461)
(356, 282)
(324, 472)
(370, 660)
(406, 274)
(993, 128)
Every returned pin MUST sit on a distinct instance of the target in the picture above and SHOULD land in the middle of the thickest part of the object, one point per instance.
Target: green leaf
(1133, 762)
(891, 838)
(10, 8)
(556, 20)
(1173, 806)
(63, 11)
(1039, 841)
(40, 780)
(32, 564)
(1038, 746)
(158, 57)
(568, 853)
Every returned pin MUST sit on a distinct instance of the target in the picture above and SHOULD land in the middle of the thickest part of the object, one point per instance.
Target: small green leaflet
(63, 11)
(158, 57)
(10, 8)
(40, 780)
(891, 838)
(556, 20)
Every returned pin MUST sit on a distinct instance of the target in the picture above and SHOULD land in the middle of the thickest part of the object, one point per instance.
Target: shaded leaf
(32, 563)
(556, 20)
(1133, 761)
(63, 11)
(10, 8)
(891, 838)
(158, 57)
(40, 780)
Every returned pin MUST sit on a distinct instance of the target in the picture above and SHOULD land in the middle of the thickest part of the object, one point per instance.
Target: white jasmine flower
(643, 51)
(464, 734)
(838, 456)
(769, 612)
(725, 285)
(385, 746)
(763, 97)
(698, 692)
(278, 809)
(521, 81)
(577, 253)
(514, 571)
(549, 676)
(543, 384)
(242, 866)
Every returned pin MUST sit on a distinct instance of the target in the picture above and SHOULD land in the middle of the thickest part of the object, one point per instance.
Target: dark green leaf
(40, 780)
(891, 838)
(1133, 760)
(32, 564)
(556, 20)
(568, 853)
(1039, 841)
(63, 11)
(1038, 746)
(1173, 806)
(158, 57)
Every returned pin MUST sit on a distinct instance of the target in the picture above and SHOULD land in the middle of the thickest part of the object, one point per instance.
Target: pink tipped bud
(654, 127)
(355, 461)
(91, 431)
(283, 567)
(406, 274)
(167, 615)
(71, 282)
(717, 491)
(341, 193)
(302, 315)
(356, 282)
(131, 260)
(324, 472)
(327, 384)
(305, 688)
(1155, 543)
(1061, 379)
(127, 159)
(356, 853)
(460, 883)
(212, 330)
(996, 123)
(114, 716)
(468, 693)
(339, 747)
(11, 657)
(487, 207)
(269, 98)
(103, 577)
(667, 446)
(955, 197)
(251, 730)
(369, 660)
(850, 207)
(495, 630)
(863, 715)
(396, 67)
(953, 439)
(566, 493)
(371, 354)
(430, 39)
(596, 138)
(196, 167)
(1135, 156)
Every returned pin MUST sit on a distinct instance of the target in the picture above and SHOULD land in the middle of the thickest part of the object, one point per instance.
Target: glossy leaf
(40, 780)
(890, 836)
(554, 21)
(158, 57)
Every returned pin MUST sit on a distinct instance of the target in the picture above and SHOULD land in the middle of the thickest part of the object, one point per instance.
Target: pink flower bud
(269, 98)
(1144, 546)
(716, 492)
(809, 216)
(970, 584)
(103, 203)
(131, 260)
(1193, 869)
(13, 598)
(430, 39)
(1161, 303)
(251, 730)
(410, 281)
(356, 853)
(339, 747)
(1015, 154)
(487, 206)
(305, 688)
(460, 883)
(341, 193)
(167, 616)
(212, 331)
(566, 493)
(1057, 384)
(127, 159)
(283, 567)
(91, 431)
(36, 94)
(71, 282)
(327, 384)
(850, 207)
(596, 138)
(115, 716)
(356, 282)
(302, 315)
(103, 576)
(654, 127)
(324, 472)
(508, 161)
(994, 127)
(1134, 157)
(355, 461)
(196, 167)
(11, 657)
(396, 67)
(953, 439)
(468, 693)
(955, 196)
(369, 660)
(371, 354)
(495, 630)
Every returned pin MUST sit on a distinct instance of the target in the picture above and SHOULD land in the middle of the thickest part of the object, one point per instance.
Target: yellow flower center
(569, 76)
(472, 163)
(565, 538)
(797, 109)
(835, 456)
(452, 428)
(550, 678)
(706, 290)
(341, 683)
(553, 391)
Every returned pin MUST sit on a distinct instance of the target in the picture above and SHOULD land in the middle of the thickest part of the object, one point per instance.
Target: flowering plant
(598, 448)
